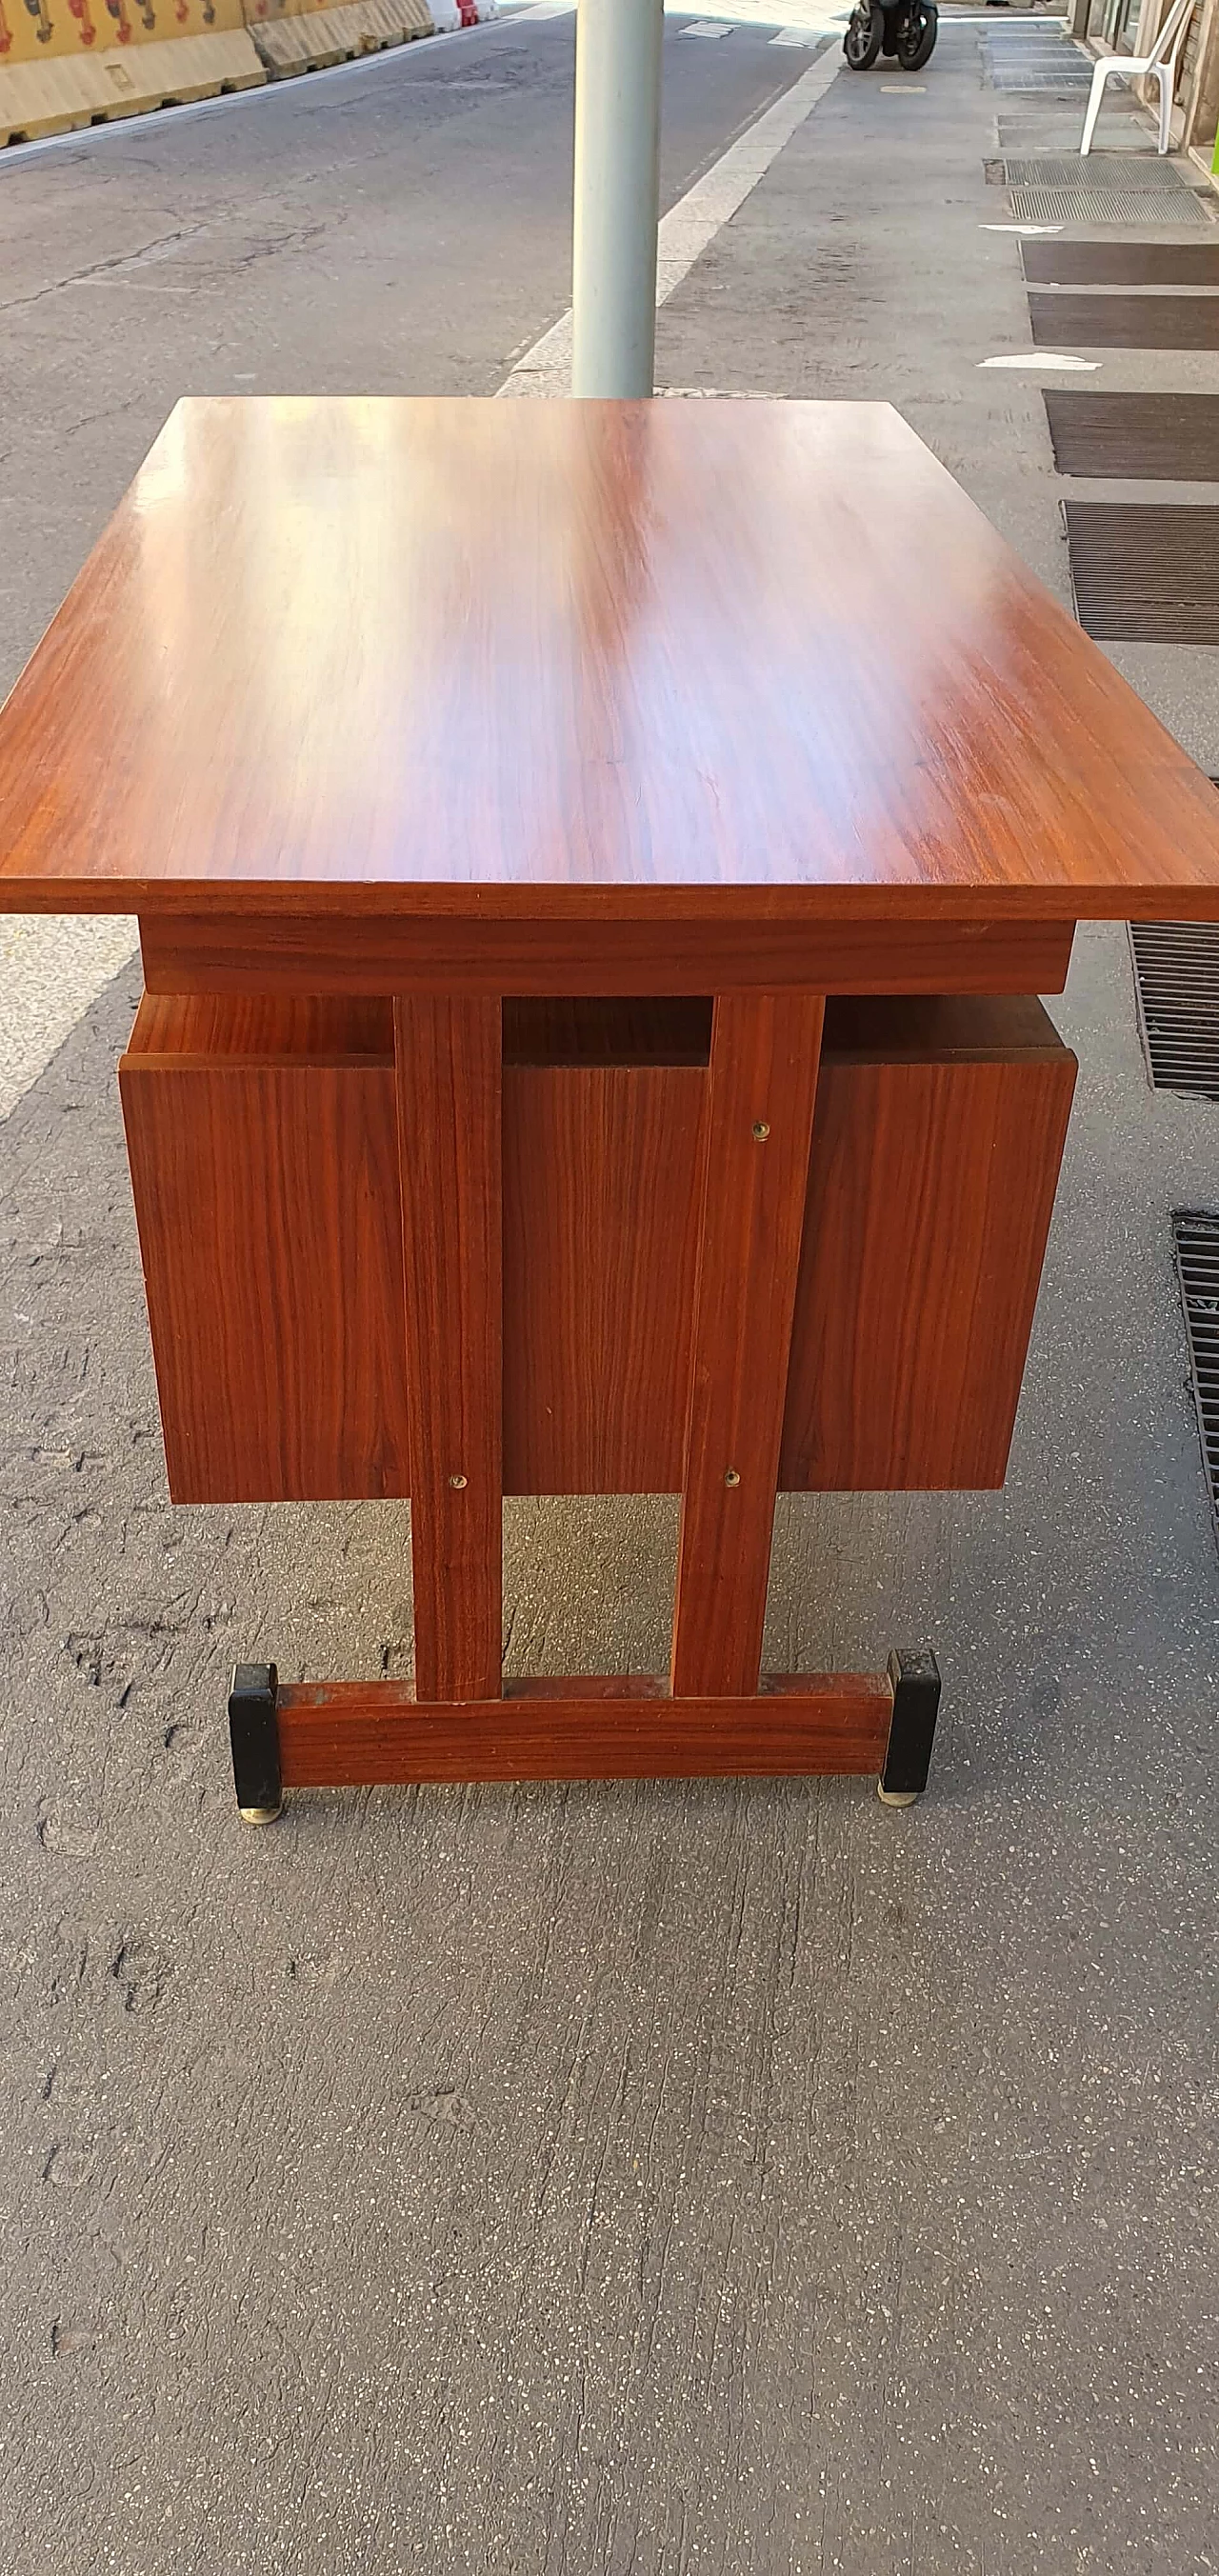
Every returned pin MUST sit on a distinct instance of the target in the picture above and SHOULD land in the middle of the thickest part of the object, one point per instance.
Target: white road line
(1040, 359)
(51, 968)
(694, 221)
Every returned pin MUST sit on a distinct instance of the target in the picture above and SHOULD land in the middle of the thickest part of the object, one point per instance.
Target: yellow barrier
(66, 63)
(271, 13)
(299, 35)
(51, 97)
(40, 31)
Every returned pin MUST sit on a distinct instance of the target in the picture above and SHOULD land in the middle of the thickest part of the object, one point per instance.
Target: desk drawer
(263, 1144)
(937, 1143)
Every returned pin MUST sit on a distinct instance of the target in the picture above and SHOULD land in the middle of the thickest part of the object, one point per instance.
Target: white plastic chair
(1162, 60)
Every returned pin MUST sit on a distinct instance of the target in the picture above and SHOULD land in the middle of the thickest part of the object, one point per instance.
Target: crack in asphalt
(163, 243)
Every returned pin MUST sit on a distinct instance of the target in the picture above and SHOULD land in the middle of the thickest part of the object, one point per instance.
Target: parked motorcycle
(907, 28)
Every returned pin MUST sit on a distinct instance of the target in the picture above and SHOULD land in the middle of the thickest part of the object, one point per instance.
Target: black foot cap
(916, 1702)
(254, 1736)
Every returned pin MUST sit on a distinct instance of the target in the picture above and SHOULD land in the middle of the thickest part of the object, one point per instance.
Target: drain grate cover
(1138, 173)
(1063, 82)
(1176, 983)
(1063, 320)
(1090, 263)
(1063, 72)
(1010, 61)
(1113, 188)
(1196, 1240)
(1145, 572)
(1144, 437)
(1100, 205)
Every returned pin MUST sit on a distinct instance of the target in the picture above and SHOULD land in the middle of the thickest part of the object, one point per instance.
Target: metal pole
(617, 196)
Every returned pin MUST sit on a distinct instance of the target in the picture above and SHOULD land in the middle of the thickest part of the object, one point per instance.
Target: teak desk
(593, 861)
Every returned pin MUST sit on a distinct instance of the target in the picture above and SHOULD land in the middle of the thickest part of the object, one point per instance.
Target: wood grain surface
(763, 1080)
(449, 1064)
(267, 1202)
(626, 1729)
(931, 1188)
(278, 1335)
(658, 954)
(601, 1199)
(375, 655)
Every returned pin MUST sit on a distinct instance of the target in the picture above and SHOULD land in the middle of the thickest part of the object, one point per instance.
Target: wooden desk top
(558, 659)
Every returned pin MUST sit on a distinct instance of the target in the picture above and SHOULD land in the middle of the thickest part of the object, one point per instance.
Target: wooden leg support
(765, 1051)
(316, 1735)
(717, 1716)
(449, 1058)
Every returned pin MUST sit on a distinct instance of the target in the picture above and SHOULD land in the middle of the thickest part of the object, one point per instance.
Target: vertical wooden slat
(448, 1054)
(764, 1056)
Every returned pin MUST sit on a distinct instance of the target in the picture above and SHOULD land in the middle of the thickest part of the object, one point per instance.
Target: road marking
(694, 221)
(704, 27)
(1020, 228)
(53, 966)
(1040, 358)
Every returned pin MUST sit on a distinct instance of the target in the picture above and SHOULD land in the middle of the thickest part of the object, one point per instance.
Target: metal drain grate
(1030, 84)
(1061, 71)
(1144, 437)
(1100, 319)
(1118, 188)
(1100, 205)
(1088, 263)
(1196, 1241)
(1140, 173)
(1176, 983)
(1145, 572)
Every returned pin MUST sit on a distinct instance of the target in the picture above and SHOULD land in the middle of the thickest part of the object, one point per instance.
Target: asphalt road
(399, 226)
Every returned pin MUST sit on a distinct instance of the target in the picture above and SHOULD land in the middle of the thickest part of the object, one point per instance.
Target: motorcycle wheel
(916, 42)
(861, 43)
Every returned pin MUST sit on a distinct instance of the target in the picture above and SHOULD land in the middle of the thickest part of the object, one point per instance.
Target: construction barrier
(66, 63)
(294, 36)
(39, 31)
(71, 63)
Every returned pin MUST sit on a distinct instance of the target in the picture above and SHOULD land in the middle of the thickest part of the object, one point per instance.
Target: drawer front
(264, 1158)
(931, 1187)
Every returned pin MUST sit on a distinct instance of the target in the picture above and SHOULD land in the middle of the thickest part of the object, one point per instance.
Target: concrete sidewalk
(663, 2181)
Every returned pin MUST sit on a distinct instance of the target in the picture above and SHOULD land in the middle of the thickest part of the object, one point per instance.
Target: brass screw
(457, 1482)
(731, 1476)
(760, 1131)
